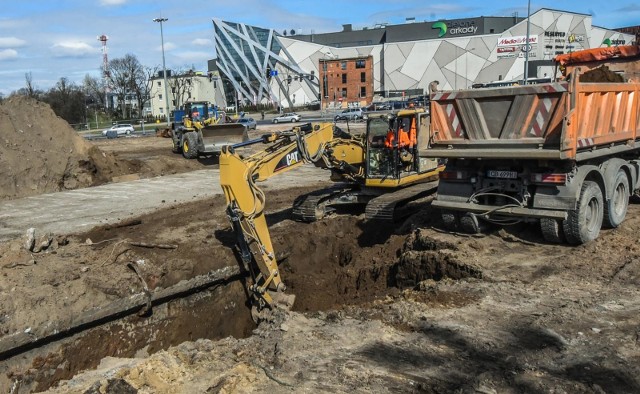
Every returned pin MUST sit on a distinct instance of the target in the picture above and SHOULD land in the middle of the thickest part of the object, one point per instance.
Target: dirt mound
(41, 153)
(601, 74)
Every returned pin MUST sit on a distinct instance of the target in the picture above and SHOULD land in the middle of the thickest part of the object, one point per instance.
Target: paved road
(80, 210)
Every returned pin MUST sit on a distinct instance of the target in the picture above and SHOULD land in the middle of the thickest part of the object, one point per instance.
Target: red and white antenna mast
(105, 67)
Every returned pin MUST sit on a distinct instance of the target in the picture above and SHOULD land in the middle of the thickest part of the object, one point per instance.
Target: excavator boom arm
(246, 201)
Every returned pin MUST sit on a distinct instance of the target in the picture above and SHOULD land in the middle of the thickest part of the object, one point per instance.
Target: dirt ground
(379, 308)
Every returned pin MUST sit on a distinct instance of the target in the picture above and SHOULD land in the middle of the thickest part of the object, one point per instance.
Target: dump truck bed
(553, 121)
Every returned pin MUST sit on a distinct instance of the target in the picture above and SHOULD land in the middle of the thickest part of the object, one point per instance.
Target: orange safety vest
(403, 139)
(388, 142)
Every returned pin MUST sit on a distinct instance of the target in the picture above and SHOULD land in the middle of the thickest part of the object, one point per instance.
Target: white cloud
(112, 2)
(167, 46)
(205, 42)
(73, 49)
(194, 56)
(8, 54)
(11, 42)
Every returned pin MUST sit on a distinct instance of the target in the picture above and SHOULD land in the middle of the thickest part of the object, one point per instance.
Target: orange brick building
(346, 82)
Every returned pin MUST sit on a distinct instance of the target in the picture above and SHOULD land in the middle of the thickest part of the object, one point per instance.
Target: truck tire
(470, 224)
(450, 220)
(190, 145)
(583, 223)
(615, 210)
(552, 230)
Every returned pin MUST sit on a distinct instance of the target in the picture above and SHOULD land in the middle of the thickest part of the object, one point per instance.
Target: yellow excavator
(371, 168)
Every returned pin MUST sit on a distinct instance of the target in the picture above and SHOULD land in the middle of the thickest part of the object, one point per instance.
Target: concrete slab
(80, 210)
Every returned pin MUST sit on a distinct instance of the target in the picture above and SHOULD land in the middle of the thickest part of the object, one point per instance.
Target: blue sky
(55, 39)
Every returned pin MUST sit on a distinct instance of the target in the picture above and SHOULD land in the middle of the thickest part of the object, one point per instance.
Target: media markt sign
(455, 28)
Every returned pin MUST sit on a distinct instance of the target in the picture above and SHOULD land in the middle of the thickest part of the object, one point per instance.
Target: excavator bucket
(216, 135)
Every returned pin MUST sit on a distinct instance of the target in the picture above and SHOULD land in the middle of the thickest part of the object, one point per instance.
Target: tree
(122, 78)
(181, 85)
(30, 90)
(143, 85)
(94, 89)
(68, 101)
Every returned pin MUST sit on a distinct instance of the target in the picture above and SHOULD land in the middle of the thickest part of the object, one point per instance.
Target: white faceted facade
(456, 62)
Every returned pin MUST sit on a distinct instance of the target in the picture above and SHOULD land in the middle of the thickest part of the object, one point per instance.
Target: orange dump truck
(565, 154)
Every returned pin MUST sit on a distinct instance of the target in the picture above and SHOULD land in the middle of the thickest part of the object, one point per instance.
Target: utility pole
(164, 69)
(526, 45)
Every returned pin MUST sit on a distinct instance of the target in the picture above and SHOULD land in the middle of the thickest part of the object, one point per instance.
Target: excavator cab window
(381, 160)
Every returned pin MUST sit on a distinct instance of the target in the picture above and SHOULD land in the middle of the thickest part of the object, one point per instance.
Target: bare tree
(94, 88)
(181, 84)
(68, 101)
(122, 78)
(30, 90)
(144, 84)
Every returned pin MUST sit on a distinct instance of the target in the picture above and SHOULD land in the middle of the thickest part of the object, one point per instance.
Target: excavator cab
(392, 145)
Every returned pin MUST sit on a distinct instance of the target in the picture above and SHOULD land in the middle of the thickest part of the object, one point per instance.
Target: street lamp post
(526, 45)
(164, 68)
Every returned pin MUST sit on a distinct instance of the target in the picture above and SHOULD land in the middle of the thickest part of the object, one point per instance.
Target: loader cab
(392, 144)
(198, 110)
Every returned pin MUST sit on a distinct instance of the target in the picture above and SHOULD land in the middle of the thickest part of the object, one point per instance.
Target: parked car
(249, 123)
(287, 117)
(378, 106)
(350, 114)
(118, 129)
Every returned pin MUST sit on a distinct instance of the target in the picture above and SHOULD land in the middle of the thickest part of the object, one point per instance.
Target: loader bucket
(214, 137)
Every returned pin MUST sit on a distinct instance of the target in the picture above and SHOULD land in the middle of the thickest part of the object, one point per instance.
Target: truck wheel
(190, 145)
(451, 220)
(615, 209)
(470, 224)
(552, 230)
(583, 223)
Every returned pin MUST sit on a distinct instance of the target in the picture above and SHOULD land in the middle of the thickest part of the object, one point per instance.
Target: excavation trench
(329, 265)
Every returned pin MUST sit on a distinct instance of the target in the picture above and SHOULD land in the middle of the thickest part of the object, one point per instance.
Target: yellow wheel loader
(365, 165)
(200, 132)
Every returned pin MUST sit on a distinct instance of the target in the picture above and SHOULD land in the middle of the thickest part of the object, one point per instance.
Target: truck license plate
(502, 174)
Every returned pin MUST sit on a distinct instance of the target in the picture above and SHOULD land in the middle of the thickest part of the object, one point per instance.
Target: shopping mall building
(354, 67)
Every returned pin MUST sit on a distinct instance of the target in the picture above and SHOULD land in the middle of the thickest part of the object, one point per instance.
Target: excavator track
(388, 206)
(313, 206)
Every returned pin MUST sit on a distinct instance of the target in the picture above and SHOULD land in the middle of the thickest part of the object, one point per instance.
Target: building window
(343, 65)
(159, 83)
(161, 110)
(160, 97)
(344, 92)
(360, 63)
(363, 91)
(189, 95)
(344, 78)
(363, 77)
(325, 86)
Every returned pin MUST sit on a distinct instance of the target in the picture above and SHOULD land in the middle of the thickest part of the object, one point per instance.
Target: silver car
(287, 117)
(119, 129)
(249, 123)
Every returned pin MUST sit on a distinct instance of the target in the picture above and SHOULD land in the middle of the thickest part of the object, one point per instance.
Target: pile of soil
(601, 74)
(41, 153)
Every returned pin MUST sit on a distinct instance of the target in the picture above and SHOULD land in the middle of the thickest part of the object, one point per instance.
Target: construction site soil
(156, 304)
